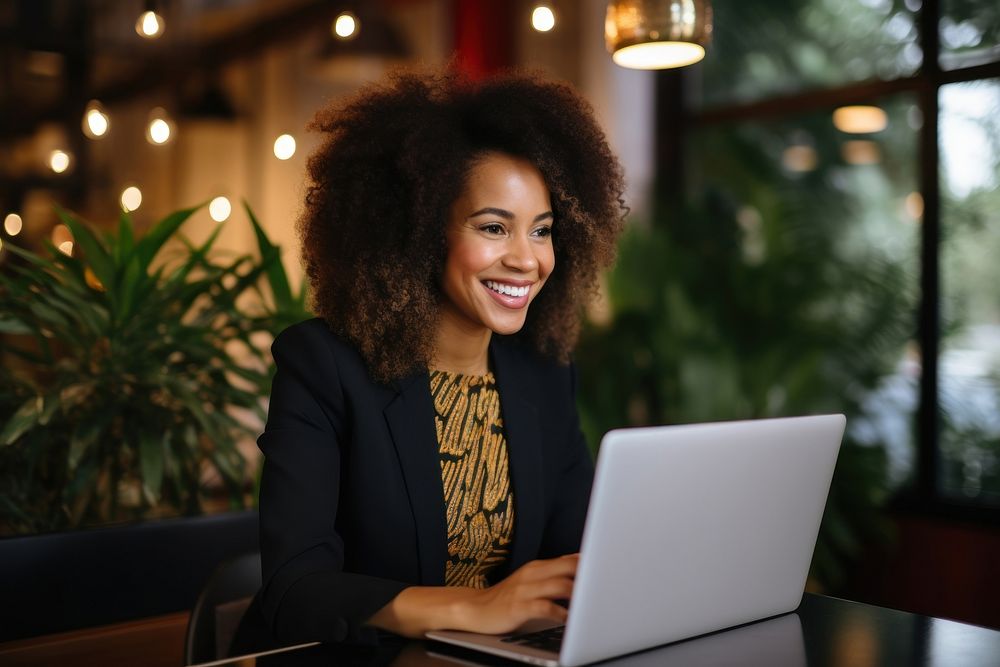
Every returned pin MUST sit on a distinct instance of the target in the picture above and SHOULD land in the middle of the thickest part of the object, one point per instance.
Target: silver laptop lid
(696, 528)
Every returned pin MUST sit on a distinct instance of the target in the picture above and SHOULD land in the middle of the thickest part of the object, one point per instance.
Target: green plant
(129, 370)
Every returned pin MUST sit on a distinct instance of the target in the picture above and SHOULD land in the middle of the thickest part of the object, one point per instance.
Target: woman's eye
(543, 232)
(492, 228)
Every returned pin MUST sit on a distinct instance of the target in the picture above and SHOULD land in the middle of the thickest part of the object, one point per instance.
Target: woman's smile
(510, 294)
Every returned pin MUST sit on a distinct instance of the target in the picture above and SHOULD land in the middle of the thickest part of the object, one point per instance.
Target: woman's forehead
(504, 177)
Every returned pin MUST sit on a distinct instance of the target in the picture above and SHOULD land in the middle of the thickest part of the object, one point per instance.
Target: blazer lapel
(524, 442)
(410, 416)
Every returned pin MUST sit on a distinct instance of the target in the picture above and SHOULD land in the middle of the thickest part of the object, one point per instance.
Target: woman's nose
(520, 254)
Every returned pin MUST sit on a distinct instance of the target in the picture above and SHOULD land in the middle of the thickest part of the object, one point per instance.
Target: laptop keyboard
(546, 640)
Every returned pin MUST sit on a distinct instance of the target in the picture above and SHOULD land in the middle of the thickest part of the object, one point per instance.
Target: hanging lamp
(657, 34)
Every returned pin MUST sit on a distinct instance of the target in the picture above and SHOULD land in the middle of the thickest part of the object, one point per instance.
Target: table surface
(823, 631)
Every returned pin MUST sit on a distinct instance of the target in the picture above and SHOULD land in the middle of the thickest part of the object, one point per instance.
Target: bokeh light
(62, 238)
(345, 26)
(59, 161)
(861, 152)
(149, 25)
(284, 147)
(220, 209)
(542, 19)
(131, 198)
(799, 158)
(96, 123)
(13, 224)
(914, 205)
(860, 119)
(160, 129)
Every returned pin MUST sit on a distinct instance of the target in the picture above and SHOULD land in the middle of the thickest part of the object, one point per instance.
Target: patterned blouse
(475, 476)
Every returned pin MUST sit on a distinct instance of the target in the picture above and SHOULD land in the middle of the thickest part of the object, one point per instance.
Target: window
(901, 226)
(969, 360)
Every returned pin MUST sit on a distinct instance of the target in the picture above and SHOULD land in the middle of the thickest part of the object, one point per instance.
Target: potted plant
(131, 370)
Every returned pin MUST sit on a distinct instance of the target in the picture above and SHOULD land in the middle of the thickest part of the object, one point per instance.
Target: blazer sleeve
(564, 524)
(306, 595)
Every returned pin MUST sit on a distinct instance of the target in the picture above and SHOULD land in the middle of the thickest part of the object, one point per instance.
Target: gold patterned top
(475, 475)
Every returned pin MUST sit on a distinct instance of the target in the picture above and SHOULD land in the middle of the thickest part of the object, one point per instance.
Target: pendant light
(657, 34)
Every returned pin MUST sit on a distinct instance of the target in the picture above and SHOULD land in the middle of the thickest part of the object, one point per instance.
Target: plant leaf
(12, 325)
(49, 406)
(126, 240)
(84, 435)
(151, 459)
(97, 255)
(81, 490)
(271, 256)
(130, 282)
(24, 419)
(150, 244)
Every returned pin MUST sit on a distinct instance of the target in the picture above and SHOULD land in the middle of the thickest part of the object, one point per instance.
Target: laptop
(777, 641)
(690, 529)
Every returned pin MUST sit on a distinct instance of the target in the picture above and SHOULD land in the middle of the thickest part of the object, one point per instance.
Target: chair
(220, 607)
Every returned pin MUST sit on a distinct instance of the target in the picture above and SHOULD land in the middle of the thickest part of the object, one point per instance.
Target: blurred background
(814, 227)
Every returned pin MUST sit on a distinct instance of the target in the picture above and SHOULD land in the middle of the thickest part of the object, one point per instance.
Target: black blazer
(352, 509)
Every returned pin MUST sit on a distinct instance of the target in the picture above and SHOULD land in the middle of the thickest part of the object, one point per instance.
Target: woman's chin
(507, 328)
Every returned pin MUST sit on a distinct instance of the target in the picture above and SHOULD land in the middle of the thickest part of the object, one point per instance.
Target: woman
(423, 462)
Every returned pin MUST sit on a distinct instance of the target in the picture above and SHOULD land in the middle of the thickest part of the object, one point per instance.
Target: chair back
(220, 607)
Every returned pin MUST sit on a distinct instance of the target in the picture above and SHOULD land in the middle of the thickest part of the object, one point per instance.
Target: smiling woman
(452, 232)
(398, 157)
(500, 254)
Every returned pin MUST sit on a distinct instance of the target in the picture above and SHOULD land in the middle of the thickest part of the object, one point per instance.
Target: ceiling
(56, 56)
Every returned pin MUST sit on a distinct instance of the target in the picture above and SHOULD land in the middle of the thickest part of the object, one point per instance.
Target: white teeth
(509, 290)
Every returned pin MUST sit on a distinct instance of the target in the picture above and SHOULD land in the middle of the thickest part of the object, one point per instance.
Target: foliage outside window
(790, 279)
(808, 52)
(761, 49)
(969, 31)
(969, 364)
(787, 288)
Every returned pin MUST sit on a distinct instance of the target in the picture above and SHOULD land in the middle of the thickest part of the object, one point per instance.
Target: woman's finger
(548, 610)
(555, 588)
(564, 566)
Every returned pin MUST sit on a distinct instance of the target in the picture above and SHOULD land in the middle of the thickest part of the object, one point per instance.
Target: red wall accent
(484, 35)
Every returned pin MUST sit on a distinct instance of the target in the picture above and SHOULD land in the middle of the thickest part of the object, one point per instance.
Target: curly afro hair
(394, 160)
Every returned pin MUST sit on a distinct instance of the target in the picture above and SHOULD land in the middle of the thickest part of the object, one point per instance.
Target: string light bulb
(131, 198)
(62, 238)
(149, 25)
(13, 224)
(160, 128)
(220, 209)
(59, 161)
(96, 122)
(542, 18)
(284, 147)
(345, 26)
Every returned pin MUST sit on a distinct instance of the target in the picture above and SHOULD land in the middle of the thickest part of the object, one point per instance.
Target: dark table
(823, 631)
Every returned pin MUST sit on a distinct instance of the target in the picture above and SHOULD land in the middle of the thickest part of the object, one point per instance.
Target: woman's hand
(529, 593)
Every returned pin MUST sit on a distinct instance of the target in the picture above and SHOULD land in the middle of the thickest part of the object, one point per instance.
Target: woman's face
(499, 245)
